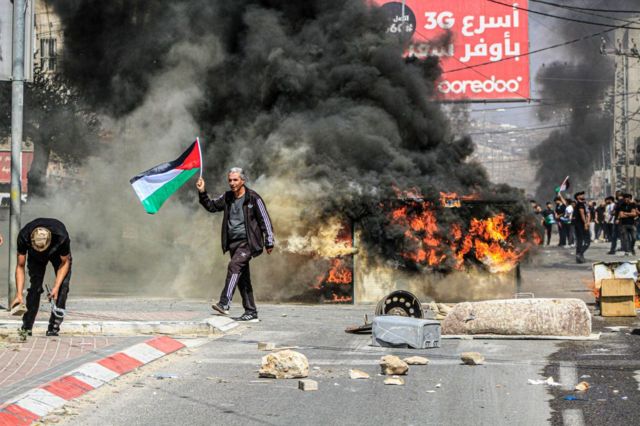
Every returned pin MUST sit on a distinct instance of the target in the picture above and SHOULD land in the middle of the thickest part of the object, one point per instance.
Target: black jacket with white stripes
(256, 219)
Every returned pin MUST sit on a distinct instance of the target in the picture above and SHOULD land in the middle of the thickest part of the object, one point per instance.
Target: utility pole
(623, 157)
(17, 107)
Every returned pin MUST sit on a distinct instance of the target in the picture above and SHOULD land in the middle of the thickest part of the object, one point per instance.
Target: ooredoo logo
(492, 85)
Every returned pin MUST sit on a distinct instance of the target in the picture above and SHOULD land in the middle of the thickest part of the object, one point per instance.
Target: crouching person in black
(40, 242)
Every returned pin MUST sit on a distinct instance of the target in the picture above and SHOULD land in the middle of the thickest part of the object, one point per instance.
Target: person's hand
(200, 185)
(17, 301)
(54, 293)
(586, 226)
(269, 250)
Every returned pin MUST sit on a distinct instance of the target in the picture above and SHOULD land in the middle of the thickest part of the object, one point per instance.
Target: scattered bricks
(266, 346)
(394, 380)
(391, 364)
(307, 385)
(472, 358)
(358, 374)
(416, 360)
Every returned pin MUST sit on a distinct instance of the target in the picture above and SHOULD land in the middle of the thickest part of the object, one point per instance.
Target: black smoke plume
(312, 98)
(577, 91)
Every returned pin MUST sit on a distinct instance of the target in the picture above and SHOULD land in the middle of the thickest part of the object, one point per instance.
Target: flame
(339, 273)
(339, 299)
(489, 241)
(421, 230)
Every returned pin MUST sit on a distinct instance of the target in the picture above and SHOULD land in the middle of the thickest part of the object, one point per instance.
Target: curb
(39, 402)
(214, 325)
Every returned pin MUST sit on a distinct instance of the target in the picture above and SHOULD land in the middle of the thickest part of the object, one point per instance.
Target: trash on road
(266, 346)
(307, 385)
(403, 332)
(358, 374)
(574, 398)
(416, 360)
(391, 364)
(162, 376)
(286, 364)
(548, 381)
(582, 386)
(394, 380)
(472, 358)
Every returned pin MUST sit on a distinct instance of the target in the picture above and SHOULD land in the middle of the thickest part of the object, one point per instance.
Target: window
(48, 54)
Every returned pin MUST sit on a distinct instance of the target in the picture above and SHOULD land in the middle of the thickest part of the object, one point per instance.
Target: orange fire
(489, 241)
(339, 273)
(339, 278)
(339, 299)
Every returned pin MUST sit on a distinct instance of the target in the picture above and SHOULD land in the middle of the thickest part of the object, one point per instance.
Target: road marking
(572, 417)
(637, 377)
(568, 374)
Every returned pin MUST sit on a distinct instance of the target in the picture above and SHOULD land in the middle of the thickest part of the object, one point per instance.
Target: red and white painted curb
(36, 403)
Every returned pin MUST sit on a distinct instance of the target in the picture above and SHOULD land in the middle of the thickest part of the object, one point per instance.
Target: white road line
(637, 377)
(568, 375)
(572, 417)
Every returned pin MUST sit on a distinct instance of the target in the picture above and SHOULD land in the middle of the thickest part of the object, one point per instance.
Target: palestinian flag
(564, 186)
(154, 186)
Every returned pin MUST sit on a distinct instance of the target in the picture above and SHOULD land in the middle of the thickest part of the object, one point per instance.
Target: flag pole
(200, 152)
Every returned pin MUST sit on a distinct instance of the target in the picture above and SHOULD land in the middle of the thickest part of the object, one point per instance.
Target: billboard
(5, 167)
(6, 40)
(480, 44)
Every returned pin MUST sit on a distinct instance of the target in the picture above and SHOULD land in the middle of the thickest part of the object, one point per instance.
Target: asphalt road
(218, 383)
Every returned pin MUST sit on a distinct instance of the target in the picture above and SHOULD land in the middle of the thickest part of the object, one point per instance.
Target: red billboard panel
(5, 167)
(480, 44)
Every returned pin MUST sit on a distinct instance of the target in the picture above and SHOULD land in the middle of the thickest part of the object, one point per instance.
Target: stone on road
(391, 364)
(285, 364)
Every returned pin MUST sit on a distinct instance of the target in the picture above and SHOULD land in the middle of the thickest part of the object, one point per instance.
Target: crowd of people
(580, 222)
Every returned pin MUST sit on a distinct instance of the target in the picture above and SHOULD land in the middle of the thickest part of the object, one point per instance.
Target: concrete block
(307, 385)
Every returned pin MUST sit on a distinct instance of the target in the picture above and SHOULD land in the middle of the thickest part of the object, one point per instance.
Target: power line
(580, 21)
(572, 9)
(524, 129)
(588, 8)
(531, 52)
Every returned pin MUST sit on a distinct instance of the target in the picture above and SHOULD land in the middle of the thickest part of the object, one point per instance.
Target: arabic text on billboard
(481, 32)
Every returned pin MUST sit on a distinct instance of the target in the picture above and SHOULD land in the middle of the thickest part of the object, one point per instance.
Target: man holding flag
(246, 231)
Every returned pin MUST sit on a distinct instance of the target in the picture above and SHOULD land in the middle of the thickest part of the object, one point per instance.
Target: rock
(536, 317)
(307, 385)
(416, 360)
(391, 364)
(472, 358)
(394, 380)
(266, 346)
(582, 386)
(285, 364)
(358, 374)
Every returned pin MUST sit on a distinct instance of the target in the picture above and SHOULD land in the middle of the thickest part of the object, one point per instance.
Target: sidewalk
(126, 317)
(92, 330)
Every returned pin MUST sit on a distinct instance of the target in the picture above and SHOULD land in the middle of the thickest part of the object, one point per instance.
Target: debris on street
(548, 381)
(266, 346)
(582, 386)
(162, 376)
(358, 374)
(391, 365)
(535, 317)
(416, 360)
(307, 385)
(394, 380)
(286, 364)
(404, 332)
(472, 358)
